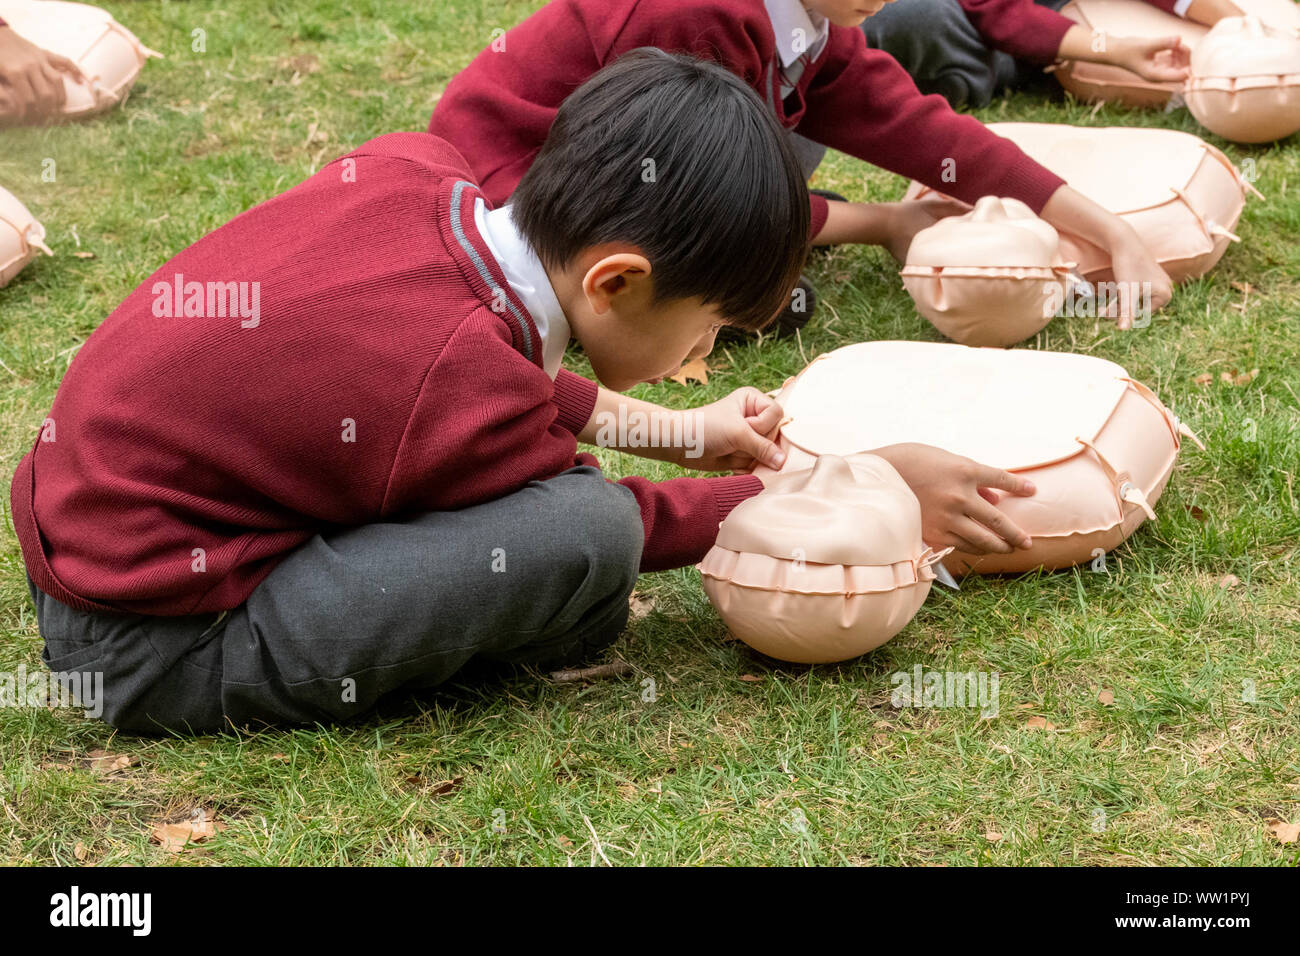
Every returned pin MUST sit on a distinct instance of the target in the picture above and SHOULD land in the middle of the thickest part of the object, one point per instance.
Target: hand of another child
(910, 216)
(957, 498)
(735, 433)
(1140, 281)
(1160, 60)
(31, 79)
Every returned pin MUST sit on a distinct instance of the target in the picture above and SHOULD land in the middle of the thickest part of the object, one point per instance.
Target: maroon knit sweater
(185, 456)
(498, 110)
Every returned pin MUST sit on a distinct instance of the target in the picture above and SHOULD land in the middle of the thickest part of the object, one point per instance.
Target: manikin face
(846, 13)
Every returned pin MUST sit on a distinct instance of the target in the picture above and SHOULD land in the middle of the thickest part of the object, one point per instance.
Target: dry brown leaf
(639, 605)
(446, 787)
(1196, 512)
(103, 762)
(1203, 379)
(1285, 832)
(80, 851)
(697, 369)
(1106, 698)
(1229, 581)
(1245, 288)
(178, 837)
(1245, 378)
(1225, 377)
(306, 63)
(993, 836)
(1039, 723)
(751, 678)
(563, 840)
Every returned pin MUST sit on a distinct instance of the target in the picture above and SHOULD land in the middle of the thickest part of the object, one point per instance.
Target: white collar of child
(528, 280)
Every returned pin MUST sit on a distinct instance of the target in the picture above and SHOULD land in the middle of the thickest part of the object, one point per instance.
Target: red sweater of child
(184, 457)
(498, 110)
(1024, 29)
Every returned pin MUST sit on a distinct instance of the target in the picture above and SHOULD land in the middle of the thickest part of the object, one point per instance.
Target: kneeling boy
(328, 451)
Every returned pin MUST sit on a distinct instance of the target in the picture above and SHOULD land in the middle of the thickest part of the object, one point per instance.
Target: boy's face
(846, 13)
(628, 346)
(608, 298)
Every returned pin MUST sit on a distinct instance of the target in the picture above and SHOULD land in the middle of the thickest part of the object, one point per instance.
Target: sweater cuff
(1029, 182)
(731, 490)
(820, 209)
(1044, 31)
(575, 397)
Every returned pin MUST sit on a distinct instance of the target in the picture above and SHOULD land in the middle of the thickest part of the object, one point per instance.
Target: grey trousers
(935, 42)
(539, 577)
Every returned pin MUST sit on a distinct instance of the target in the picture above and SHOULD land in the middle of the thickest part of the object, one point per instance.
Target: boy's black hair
(678, 157)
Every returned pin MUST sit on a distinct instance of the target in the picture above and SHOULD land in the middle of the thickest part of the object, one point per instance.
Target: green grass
(802, 765)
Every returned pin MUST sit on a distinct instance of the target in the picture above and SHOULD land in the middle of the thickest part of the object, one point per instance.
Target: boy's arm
(957, 495)
(1040, 35)
(862, 102)
(488, 421)
(1206, 12)
(1029, 32)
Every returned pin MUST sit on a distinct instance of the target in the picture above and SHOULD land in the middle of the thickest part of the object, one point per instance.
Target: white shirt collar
(527, 278)
(798, 30)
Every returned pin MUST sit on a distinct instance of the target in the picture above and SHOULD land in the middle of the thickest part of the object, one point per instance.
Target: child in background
(328, 452)
(809, 63)
(967, 51)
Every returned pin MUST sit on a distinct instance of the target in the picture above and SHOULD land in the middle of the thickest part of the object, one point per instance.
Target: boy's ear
(613, 276)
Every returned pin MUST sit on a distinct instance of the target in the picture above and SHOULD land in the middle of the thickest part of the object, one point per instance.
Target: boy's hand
(909, 217)
(733, 433)
(957, 498)
(31, 79)
(1136, 269)
(1160, 60)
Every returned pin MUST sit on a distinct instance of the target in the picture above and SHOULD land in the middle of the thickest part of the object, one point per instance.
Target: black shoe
(802, 305)
(828, 194)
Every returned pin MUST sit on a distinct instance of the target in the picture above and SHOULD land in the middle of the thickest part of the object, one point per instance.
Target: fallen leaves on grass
(1285, 832)
(1106, 697)
(1231, 377)
(440, 789)
(697, 369)
(178, 837)
(639, 605)
(105, 763)
(751, 678)
(1229, 581)
(1039, 723)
